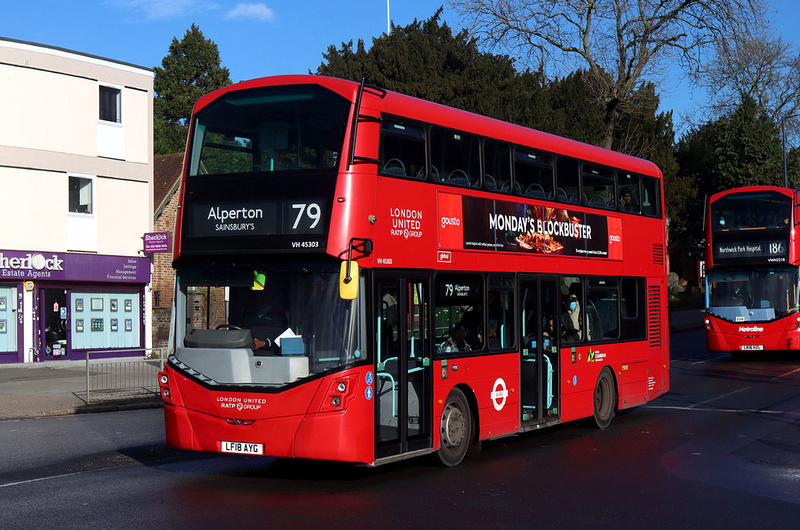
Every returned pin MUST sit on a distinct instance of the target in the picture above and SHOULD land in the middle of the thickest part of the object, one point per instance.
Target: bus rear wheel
(605, 399)
(455, 429)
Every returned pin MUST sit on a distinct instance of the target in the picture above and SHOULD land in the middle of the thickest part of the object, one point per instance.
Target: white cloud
(256, 11)
(162, 9)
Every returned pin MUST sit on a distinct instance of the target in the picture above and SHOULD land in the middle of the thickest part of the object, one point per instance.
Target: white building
(76, 197)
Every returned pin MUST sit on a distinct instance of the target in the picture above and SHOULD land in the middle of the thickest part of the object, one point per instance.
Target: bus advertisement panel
(474, 223)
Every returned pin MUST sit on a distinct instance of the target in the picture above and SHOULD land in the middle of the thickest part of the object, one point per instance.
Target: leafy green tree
(426, 60)
(749, 151)
(190, 70)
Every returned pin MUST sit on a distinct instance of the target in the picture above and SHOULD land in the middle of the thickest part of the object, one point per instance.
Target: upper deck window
(497, 166)
(628, 189)
(402, 150)
(454, 157)
(568, 180)
(598, 186)
(280, 128)
(533, 173)
(751, 211)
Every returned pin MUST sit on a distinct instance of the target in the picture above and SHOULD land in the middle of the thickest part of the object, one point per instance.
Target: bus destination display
(257, 218)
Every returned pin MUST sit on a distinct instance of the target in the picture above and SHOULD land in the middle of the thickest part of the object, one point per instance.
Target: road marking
(36, 480)
(722, 396)
(787, 373)
(752, 411)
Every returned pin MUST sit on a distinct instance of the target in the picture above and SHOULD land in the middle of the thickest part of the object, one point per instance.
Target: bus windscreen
(300, 127)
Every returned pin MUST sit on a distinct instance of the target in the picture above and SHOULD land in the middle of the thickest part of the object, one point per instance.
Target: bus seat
(394, 166)
(219, 338)
(458, 177)
(593, 323)
(535, 190)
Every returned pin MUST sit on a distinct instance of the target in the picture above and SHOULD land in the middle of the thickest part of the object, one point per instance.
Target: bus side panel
(340, 432)
(632, 383)
(496, 394)
(579, 377)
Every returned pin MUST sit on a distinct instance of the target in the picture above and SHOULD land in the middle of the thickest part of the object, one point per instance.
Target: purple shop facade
(61, 306)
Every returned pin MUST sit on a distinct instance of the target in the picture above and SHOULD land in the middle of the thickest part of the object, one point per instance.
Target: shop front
(59, 306)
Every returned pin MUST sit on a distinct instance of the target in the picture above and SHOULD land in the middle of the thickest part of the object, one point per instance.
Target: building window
(80, 195)
(110, 104)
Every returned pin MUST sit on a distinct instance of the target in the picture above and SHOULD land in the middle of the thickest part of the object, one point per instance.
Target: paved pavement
(58, 388)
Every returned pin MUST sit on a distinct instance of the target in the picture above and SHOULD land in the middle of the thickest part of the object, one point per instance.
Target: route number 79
(312, 211)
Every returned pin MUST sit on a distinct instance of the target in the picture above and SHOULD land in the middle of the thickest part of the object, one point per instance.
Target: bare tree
(620, 43)
(760, 66)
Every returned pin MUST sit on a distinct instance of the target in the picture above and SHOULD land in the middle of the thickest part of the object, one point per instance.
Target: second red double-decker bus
(364, 276)
(752, 270)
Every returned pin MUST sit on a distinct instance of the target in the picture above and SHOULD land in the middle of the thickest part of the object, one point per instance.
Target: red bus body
(390, 394)
(751, 270)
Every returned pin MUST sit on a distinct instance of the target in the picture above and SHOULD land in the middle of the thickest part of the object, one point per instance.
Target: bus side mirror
(348, 288)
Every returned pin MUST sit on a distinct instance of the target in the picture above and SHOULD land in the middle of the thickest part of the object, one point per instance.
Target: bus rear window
(282, 128)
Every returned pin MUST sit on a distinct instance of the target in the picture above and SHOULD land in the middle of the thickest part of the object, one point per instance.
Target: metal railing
(123, 378)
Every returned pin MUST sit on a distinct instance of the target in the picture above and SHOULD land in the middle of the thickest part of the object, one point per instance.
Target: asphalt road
(721, 449)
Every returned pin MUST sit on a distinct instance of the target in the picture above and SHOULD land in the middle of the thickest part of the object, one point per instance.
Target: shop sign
(32, 265)
(157, 242)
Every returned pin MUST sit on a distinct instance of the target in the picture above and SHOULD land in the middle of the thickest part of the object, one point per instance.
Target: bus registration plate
(243, 448)
(752, 346)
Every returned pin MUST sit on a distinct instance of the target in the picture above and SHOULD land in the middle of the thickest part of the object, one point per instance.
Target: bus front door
(539, 368)
(402, 365)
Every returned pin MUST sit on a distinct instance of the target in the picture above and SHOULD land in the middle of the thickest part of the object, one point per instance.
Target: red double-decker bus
(752, 270)
(364, 276)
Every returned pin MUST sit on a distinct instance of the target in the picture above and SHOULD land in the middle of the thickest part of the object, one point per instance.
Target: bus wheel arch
(457, 427)
(605, 398)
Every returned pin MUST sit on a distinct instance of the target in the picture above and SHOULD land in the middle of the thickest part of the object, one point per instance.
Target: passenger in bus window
(627, 201)
(457, 341)
(571, 320)
(549, 334)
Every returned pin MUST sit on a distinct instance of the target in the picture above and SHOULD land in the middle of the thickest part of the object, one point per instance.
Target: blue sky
(259, 38)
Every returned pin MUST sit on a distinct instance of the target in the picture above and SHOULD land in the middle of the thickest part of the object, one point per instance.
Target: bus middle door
(403, 365)
(539, 359)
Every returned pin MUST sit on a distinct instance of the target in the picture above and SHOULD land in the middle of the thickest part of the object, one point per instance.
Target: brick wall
(163, 277)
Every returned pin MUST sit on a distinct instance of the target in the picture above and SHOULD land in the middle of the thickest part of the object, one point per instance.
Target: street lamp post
(783, 134)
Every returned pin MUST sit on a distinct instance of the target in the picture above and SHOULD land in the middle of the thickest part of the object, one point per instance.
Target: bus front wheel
(455, 429)
(605, 399)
